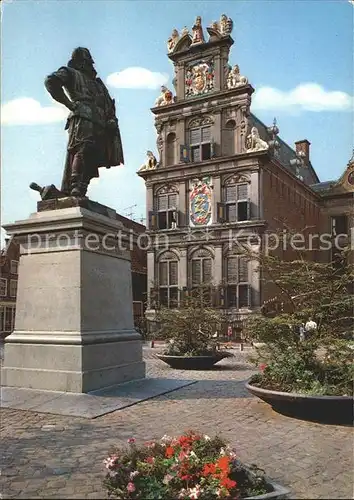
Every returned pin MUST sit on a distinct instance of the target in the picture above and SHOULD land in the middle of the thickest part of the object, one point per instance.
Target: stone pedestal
(74, 321)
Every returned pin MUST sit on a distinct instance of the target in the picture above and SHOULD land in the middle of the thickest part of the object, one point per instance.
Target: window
(9, 318)
(166, 211)
(170, 149)
(236, 207)
(201, 147)
(14, 267)
(238, 289)
(13, 288)
(201, 269)
(3, 287)
(339, 225)
(168, 280)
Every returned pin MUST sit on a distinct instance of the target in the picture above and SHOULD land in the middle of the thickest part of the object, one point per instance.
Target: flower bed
(186, 467)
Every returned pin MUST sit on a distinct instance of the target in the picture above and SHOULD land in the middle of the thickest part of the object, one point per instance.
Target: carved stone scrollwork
(167, 188)
(237, 179)
(254, 142)
(197, 122)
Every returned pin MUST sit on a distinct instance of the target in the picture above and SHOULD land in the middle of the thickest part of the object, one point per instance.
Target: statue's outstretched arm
(54, 86)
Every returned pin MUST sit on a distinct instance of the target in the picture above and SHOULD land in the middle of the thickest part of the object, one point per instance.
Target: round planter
(327, 409)
(192, 362)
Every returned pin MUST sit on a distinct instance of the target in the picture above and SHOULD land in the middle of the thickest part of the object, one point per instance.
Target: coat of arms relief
(199, 78)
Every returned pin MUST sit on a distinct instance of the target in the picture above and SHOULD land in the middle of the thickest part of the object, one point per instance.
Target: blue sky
(281, 46)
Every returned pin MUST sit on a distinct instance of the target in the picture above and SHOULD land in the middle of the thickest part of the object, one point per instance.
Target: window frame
(11, 284)
(170, 213)
(168, 287)
(199, 145)
(233, 286)
(236, 202)
(6, 285)
(12, 262)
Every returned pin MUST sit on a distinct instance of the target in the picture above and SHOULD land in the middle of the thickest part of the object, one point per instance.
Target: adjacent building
(222, 177)
(9, 260)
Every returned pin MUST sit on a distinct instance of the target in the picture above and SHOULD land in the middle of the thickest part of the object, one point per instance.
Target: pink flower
(131, 487)
(131, 440)
(262, 367)
(194, 493)
(150, 460)
(167, 479)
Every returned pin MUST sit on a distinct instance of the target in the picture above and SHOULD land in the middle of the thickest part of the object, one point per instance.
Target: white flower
(194, 492)
(192, 454)
(110, 461)
(207, 438)
(222, 452)
(166, 439)
(133, 474)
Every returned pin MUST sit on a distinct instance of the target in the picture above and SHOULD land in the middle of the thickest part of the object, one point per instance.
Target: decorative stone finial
(274, 131)
(198, 35)
(166, 97)
(254, 142)
(151, 162)
(234, 79)
(351, 161)
(184, 32)
(171, 42)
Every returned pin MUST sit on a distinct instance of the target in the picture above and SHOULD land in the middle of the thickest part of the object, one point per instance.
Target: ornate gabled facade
(220, 177)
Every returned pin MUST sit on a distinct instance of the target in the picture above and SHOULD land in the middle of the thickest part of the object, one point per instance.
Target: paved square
(52, 456)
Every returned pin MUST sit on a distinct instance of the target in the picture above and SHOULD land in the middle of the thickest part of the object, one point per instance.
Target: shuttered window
(238, 290)
(200, 142)
(166, 206)
(202, 271)
(236, 202)
(168, 282)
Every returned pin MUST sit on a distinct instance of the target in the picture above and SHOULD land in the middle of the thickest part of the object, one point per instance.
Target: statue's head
(175, 33)
(149, 154)
(80, 58)
(236, 68)
(254, 132)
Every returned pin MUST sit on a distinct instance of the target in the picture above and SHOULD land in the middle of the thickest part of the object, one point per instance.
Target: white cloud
(137, 78)
(28, 111)
(304, 97)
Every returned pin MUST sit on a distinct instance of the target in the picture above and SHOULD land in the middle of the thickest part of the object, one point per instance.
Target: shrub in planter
(318, 361)
(184, 467)
(190, 330)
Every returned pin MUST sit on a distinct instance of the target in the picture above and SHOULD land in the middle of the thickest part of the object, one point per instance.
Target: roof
(285, 152)
(131, 224)
(322, 186)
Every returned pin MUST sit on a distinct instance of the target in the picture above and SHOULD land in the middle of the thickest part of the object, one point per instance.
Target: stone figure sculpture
(171, 42)
(254, 142)
(94, 136)
(166, 97)
(224, 26)
(234, 79)
(151, 162)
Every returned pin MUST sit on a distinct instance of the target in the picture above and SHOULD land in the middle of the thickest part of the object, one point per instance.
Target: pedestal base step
(90, 405)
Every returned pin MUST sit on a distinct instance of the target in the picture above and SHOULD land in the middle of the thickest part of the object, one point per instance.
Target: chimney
(303, 150)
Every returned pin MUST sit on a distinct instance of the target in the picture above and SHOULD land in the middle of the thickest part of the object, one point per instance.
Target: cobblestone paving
(49, 456)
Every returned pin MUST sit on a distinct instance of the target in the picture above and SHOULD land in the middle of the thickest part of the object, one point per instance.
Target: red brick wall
(288, 202)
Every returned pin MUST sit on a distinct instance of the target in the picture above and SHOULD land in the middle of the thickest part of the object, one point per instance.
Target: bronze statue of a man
(94, 137)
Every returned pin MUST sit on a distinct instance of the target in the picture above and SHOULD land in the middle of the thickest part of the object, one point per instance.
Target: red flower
(208, 469)
(150, 460)
(223, 464)
(262, 367)
(228, 483)
(169, 452)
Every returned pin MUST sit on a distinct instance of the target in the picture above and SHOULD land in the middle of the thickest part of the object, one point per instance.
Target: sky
(298, 55)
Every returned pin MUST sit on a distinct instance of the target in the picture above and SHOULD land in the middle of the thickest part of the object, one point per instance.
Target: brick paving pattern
(50, 456)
